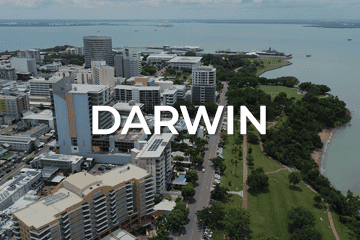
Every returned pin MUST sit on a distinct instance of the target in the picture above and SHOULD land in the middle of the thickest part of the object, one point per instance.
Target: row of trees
(147, 69)
(280, 81)
(235, 221)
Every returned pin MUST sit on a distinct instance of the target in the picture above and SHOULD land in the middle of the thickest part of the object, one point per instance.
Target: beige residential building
(102, 74)
(90, 207)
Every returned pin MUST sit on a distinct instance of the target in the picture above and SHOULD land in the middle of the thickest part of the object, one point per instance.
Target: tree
(294, 178)
(271, 238)
(252, 138)
(188, 190)
(42, 106)
(191, 176)
(236, 223)
(250, 150)
(66, 173)
(197, 160)
(175, 220)
(258, 180)
(219, 162)
(250, 160)
(212, 216)
(190, 53)
(236, 163)
(219, 193)
(211, 108)
(306, 232)
(299, 217)
(318, 199)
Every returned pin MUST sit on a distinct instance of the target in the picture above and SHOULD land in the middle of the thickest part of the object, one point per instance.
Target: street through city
(202, 197)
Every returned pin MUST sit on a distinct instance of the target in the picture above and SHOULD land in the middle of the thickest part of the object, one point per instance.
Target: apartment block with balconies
(155, 157)
(90, 207)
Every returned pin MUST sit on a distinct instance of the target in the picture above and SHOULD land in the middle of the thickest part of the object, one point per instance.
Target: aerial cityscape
(220, 176)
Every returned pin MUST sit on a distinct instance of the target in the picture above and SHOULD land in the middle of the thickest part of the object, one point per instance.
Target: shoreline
(325, 136)
(270, 69)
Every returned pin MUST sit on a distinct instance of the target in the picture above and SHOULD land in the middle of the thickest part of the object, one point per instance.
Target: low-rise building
(61, 161)
(18, 143)
(145, 81)
(160, 58)
(42, 86)
(53, 67)
(17, 187)
(90, 207)
(36, 131)
(45, 117)
(178, 64)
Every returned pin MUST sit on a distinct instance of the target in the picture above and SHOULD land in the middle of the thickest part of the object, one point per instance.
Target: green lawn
(270, 63)
(268, 211)
(275, 90)
(261, 160)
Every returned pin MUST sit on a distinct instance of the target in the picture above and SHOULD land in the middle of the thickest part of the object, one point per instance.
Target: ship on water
(349, 39)
(273, 52)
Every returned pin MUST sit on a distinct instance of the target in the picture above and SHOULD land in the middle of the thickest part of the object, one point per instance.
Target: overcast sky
(179, 9)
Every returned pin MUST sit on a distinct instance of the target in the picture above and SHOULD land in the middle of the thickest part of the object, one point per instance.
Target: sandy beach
(325, 136)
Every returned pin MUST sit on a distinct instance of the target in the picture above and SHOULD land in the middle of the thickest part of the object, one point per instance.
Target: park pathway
(245, 173)
(332, 226)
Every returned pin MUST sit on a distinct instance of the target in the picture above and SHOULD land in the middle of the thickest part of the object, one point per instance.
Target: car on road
(217, 176)
(218, 172)
(203, 170)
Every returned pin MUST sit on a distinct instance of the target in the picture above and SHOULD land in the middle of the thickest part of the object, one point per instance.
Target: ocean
(334, 61)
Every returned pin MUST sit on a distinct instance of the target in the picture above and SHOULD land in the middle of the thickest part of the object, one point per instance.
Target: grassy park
(271, 63)
(275, 90)
(261, 160)
(268, 210)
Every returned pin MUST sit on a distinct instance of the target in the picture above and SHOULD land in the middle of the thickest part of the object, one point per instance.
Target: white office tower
(73, 114)
(155, 157)
(98, 48)
(102, 74)
(203, 84)
(24, 65)
(127, 63)
(30, 54)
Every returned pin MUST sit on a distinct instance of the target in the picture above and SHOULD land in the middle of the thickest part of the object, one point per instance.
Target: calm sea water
(334, 62)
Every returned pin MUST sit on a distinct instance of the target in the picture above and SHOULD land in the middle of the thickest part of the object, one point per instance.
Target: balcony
(99, 199)
(96, 211)
(101, 219)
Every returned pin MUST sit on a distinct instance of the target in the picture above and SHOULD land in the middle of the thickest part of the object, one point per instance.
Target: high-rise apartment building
(155, 157)
(90, 207)
(147, 95)
(7, 73)
(79, 51)
(14, 105)
(102, 74)
(98, 48)
(127, 63)
(73, 114)
(203, 84)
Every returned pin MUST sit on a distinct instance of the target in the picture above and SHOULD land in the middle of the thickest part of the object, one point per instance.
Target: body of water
(334, 61)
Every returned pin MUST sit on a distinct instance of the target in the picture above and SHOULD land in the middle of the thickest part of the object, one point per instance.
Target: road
(203, 186)
(19, 166)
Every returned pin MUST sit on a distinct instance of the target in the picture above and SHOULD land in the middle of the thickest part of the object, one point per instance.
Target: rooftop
(185, 60)
(50, 156)
(155, 146)
(121, 106)
(35, 129)
(88, 88)
(127, 87)
(165, 205)
(45, 211)
(120, 235)
(44, 115)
